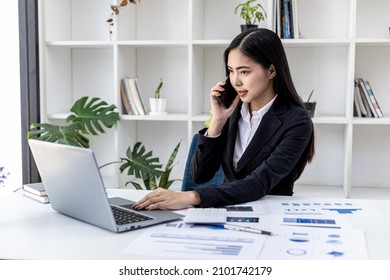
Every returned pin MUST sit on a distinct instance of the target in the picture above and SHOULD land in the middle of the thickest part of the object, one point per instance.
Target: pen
(249, 229)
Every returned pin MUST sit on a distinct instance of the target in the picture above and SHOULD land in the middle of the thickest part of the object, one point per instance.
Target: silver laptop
(75, 188)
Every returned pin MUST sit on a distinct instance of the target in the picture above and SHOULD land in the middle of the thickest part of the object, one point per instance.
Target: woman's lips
(241, 92)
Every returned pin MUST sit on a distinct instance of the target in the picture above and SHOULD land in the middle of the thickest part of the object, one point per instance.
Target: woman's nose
(235, 80)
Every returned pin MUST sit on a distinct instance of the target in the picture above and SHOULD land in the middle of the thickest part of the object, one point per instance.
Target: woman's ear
(272, 71)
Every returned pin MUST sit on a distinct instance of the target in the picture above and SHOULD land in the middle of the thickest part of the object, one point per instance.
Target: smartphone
(227, 96)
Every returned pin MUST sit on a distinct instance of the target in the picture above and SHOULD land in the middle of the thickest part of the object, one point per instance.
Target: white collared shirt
(247, 127)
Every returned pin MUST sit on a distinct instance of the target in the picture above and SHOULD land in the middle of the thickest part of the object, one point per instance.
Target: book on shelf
(40, 198)
(35, 188)
(294, 21)
(367, 98)
(365, 103)
(363, 106)
(371, 105)
(285, 18)
(373, 99)
(276, 17)
(125, 97)
(135, 95)
(357, 101)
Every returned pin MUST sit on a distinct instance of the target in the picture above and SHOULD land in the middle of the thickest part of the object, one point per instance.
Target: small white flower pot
(158, 106)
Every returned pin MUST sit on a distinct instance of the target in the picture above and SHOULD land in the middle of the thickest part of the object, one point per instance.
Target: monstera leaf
(90, 115)
(87, 118)
(142, 165)
(139, 163)
(69, 135)
(164, 179)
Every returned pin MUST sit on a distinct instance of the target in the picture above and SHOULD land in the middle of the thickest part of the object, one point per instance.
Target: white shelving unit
(182, 41)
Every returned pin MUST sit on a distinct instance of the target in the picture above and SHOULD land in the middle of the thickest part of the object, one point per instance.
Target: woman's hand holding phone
(228, 95)
(221, 111)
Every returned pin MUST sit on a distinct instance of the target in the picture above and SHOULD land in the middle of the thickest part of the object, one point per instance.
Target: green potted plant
(251, 12)
(310, 105)
(157, 103)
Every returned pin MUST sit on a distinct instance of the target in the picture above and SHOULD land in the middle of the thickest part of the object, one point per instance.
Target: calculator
(205, 216)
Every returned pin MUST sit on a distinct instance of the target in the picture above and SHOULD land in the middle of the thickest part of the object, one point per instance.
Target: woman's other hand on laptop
(167, 199)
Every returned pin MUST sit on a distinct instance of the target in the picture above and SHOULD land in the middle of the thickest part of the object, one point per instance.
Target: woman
(263, 140)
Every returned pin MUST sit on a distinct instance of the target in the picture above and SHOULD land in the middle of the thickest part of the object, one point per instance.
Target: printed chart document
(316, 229)
(304, 243)
(196, 242)
(178, 240)
(322, 207)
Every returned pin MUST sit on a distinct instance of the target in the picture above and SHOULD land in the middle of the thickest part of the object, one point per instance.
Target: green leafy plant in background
(89, 117)
(207, 122)
(115, 11)
(251, 12)
(158, 89)
(142, 165)
(310, 105)
(310, 95)
(3, 176)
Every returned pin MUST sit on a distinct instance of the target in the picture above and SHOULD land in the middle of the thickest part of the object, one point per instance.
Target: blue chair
(187, 182)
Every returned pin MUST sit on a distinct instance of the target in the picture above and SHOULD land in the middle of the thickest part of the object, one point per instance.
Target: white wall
(10, 117)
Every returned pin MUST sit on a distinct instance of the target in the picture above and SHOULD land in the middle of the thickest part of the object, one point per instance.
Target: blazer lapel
(233, 127)
(268, 126)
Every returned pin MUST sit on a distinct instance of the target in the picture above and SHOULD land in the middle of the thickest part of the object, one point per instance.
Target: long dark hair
(265, 47)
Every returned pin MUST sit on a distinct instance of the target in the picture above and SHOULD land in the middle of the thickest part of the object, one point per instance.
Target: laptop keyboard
(123, 217)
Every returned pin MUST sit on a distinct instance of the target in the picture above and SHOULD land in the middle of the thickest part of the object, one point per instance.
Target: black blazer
(269, 165)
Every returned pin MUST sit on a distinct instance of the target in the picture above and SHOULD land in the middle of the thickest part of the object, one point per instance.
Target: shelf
(58, 116)
(379, 42)
(329, 120)
(152, 43)
(201, 117)
(371, 121)
(167, 117)
(323, 42)
(80, 44)
(211, 43)
(316, 42)
(184, 45)
(102, 44)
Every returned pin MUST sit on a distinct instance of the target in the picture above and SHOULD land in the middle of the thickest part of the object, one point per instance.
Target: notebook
(75, 188)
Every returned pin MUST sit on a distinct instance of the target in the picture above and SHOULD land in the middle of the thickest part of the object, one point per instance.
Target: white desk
(30, 230)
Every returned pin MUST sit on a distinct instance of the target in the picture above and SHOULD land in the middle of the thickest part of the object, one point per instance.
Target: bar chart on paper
(202, 244)
(322, 207)
(308, 222)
